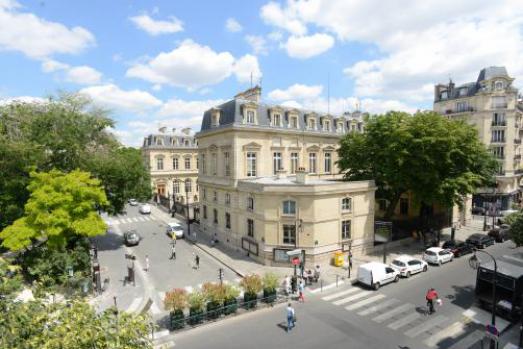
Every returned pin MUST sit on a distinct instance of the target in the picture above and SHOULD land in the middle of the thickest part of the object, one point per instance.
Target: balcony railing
(499, 156)
(460, 110)
(499, 140)
(499, 123)
(499, 106)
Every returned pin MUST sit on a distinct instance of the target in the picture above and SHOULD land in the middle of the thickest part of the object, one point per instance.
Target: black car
(459, 248)
(480, 240)
(131, 238)
(500, 234)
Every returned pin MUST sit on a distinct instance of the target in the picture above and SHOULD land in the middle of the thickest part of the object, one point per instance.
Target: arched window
(346, 204)
(499, 85)
(289, 207)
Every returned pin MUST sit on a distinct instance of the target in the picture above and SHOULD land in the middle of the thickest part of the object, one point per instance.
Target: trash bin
(338, 259)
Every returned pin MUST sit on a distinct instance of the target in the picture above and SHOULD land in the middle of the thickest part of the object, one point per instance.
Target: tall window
(404, 206)
(215, 216)
(214, 163)
(187, 163)
(345, 230)
(204, 194)
(328, 162)
(276, 162)
(215, 196)
(294, 162)
(250, 117)
(197, 163)
(312, 162)
(176, 187)
(227, 198)
(326, 125)
(175, 164)
(289, 207)
(294, 122)
(499, 102)
(251, 164)
(204, 212)
(346, 204)
(227, 220)
(276, 119)
(203, 164)
(250, 227)
(498, 119)
(498, 136)
(311, 124)
(340, 127)
(227, 163)
(499, 152)
(188, 185)
(289, 234)
(462, 106)
(159, 163)
(250, 203)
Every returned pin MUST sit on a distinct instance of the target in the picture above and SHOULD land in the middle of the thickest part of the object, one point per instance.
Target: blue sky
(162, 63)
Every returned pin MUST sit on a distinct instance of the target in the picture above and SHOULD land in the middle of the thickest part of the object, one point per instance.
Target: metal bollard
(321, 285)
(337, 280)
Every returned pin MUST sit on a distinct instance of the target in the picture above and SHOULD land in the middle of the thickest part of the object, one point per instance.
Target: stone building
(172, 159)
(491, 104)
(269, 182)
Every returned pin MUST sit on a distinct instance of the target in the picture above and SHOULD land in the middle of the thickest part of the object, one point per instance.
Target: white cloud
(111, 96)
(247, 68)
(157, 27)
(20, 99)
(232, 25)
(275, 36)
(83, 75)
(257, 43)
(273, 14)
(50, 66)
(193, 66)
(296, 92)
(190, 109)
(308, 46)
(36, 37)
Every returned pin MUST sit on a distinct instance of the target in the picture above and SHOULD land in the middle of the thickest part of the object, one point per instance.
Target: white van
(375, 274)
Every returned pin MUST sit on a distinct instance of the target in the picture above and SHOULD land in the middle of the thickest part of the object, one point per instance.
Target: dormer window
(339, 129)
(250, 117)
(215, 120)
(326, 125)
(463, 91)
(444, 95)
(293, 122)
(311, 123)
(159, 141)
(276, 120)
(498, 85)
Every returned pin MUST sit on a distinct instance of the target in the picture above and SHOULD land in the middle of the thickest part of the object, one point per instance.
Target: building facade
(269, 182)
(172, 159)
(490, 104)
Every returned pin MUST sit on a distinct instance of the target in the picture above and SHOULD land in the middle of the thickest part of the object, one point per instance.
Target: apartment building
(269, 181)
(172, 159)
(491, 104)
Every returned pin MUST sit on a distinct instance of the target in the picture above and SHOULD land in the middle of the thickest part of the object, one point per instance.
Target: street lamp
(187, 208)
(474, 264)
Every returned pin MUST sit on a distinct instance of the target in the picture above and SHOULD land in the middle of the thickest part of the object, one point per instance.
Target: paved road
(352, 317)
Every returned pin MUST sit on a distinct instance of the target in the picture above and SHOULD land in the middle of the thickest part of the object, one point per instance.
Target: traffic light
(220, 274)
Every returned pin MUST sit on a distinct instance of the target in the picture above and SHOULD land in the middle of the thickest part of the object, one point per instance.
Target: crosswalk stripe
(352, 298)
(147, 218)
(141, 219)
(135, 219)
(339, 294)
(450, 331)
(468, 340)
(379, 306)
(364, 302)
(391, 313)
(403, 321)
(115, 222)
(134, 305)
(432, 323)
(328, 287)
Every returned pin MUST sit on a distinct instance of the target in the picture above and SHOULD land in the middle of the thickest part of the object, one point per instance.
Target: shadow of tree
(463, 296)
(109, 241)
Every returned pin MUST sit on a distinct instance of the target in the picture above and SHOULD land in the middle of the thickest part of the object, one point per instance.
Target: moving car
(407, 265)
(145, 209)
(480, 240)
(133, 202)
(500, 234)
(437, 255)
(131, 238)
(458, 248)
(375, 274)
(176, 229)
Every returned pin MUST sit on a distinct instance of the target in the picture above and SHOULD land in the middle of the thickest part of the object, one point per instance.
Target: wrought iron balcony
(499, 123)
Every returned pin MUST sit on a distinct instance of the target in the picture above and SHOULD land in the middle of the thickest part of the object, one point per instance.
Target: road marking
(482, 317)
(327, 287)
(403, 321)
(364, 302)
(433, 322)
(339, 294)
(135, 219)
(147, 218)
(134, 305)
(469, 340)
(352, 298)
(377, 307)
(391, 313)
(450, 331)
(141, 219)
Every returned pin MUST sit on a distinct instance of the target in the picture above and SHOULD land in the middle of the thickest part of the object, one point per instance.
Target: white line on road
(433, 322)
(339, 294)
(352, 298)
(391, 313)
(450, 331)
(403, 321)
(469, 340)
(327, 287)
(134, 305)
(377, 307)
(364, 302)
(135, 219)
(141, 219)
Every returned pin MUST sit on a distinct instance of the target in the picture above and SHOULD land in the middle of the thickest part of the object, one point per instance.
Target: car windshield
(430, 253)
(398, 263)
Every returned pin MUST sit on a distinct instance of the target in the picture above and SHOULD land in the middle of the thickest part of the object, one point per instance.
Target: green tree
(516, 230)
(437, 159)
(61, 206)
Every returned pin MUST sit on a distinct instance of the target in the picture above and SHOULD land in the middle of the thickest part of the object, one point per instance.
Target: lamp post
(474, 263)
(187, 209)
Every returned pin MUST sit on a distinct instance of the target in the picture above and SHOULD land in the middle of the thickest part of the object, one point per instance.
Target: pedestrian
(431, 297)
(287, 284)
(291, 317)
(349, 257)
(301, 288)
(197, 261)
(173, 251)
(146, 263)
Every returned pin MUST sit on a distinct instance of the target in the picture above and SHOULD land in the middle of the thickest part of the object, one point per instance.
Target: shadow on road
(462, 297)
(108, 242)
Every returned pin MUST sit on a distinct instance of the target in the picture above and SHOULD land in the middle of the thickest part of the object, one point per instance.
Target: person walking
(431, 297)
(146, 263)
(301, 288)
(291, 317)
(173, 251)
(197, 261)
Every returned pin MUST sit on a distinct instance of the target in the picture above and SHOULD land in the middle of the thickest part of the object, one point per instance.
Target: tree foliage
(36, 325)
(10, 278)
(437, 159)
(516, 230)
(60, 207)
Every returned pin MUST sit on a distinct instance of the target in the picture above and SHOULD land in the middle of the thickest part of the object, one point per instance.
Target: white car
(437, 255)
(133, 202)
(375, 274)
(176, 229)
(407, 265)
(145, 209)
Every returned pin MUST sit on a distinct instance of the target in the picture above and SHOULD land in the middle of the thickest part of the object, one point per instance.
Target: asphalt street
(354, 317)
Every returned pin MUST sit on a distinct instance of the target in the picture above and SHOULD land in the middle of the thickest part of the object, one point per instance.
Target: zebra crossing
(126, 220)
(411, 320)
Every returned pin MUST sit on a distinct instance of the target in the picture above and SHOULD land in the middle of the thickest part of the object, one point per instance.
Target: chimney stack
(301, 176)
(252, 94)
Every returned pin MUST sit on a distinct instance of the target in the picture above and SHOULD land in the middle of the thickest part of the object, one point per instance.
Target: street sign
(492, 332)
(292, 253)
(295, 261)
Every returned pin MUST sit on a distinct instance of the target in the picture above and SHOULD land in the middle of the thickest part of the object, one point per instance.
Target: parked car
(437, 255)
(375, 274)
(478, 210)
(505, 213)
(131, 238)
(500, 234)
(458, 248)
(176, 229)
(145, 209)
(133, 202)
(407, 265)
(480, 240)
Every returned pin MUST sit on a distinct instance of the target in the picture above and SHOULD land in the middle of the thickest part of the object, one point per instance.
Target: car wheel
(397, 278)
(376, 286)
(425, 268)
(408, 274)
